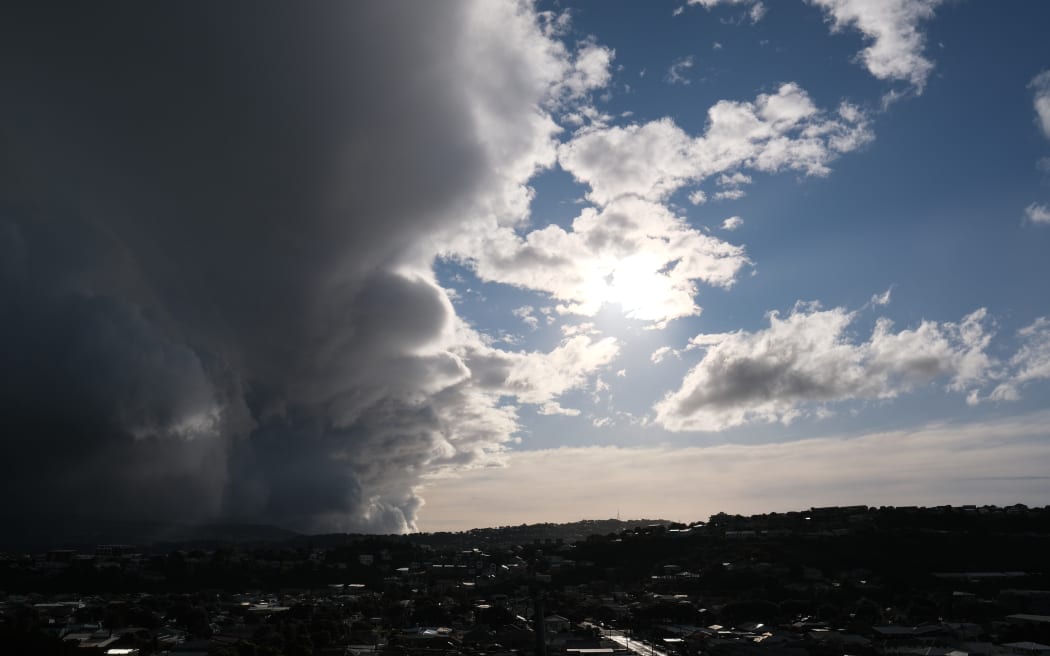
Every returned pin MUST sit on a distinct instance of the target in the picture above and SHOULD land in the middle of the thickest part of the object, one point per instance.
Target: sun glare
(635, 284)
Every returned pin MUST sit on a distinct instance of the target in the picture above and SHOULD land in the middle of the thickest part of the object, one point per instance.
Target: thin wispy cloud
(678, 73)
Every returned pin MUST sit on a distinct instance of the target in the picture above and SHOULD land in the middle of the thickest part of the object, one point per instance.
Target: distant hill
(55, 532)
(42, 533)
(526, 533)
(502, 536)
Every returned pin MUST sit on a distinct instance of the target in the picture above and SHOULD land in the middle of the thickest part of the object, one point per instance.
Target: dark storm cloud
(93, 392)
(203, 211)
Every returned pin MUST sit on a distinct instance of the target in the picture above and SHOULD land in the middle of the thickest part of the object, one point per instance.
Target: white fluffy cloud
(892, 27)
(732, 223)
(634, 252)
(662, 353)
(1033, 358)
(808, 357)
(1038, 213)
(527, 316)
(708, 4)
(756, 9)
(778, 131)
(590, 70)
(535, 377)
(554, 408)
(1031, 362)
(735, 180)
(1040, 86)
(730, 194)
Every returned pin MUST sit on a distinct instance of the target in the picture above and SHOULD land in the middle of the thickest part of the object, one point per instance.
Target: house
(556, 624)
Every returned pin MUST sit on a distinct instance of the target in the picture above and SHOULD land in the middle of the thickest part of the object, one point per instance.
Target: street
(639, 647)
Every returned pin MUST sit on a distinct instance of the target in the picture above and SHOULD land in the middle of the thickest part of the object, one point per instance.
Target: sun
(637, 284)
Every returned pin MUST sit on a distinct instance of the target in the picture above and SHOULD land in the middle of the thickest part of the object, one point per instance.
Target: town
(864, 581)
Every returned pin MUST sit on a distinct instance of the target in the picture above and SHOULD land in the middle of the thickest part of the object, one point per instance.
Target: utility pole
(539, 626)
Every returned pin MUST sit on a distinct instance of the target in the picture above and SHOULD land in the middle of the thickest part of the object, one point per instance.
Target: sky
(399, 266)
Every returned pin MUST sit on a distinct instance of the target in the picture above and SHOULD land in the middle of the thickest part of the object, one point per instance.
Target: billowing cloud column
(215, 240)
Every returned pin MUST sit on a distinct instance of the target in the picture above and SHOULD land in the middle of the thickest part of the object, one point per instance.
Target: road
(639, 647)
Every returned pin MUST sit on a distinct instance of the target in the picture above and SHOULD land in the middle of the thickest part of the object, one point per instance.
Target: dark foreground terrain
(946, 581)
